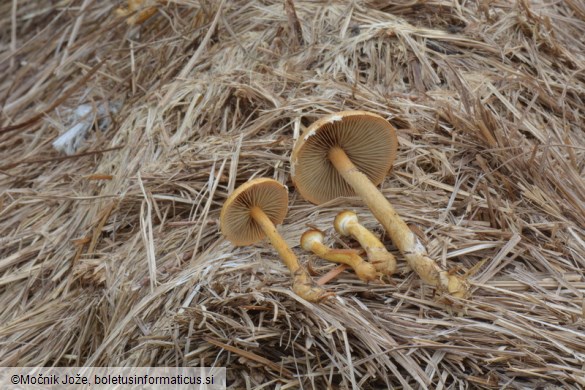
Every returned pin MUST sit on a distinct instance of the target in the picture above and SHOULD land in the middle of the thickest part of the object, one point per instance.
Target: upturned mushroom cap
(368, 140)
(235, 219)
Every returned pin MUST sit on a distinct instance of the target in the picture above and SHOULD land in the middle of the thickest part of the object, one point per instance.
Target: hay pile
(112, 255)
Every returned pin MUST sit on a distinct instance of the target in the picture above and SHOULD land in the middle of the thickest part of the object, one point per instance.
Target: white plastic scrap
(310, 134)
(82, 119)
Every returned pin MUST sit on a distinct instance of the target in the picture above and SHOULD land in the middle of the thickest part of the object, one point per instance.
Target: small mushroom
(350, 153)
(312, 241)
(347, 224)
(250, 214)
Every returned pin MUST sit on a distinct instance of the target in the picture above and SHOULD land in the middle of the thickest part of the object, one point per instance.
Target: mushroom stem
(347, 224)
(285, 253)
(312, 240)
(303, 285)
(406, 241)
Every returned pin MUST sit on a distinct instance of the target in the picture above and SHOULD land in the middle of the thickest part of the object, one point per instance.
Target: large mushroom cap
(235, 220)
(368, 140)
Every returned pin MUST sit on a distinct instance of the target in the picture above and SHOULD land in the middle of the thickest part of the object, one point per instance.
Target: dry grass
(112, 256)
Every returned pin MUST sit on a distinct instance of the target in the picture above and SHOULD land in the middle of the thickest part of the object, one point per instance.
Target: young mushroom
(250, 213)
(347, 224)
(350, 153)
(312, 241)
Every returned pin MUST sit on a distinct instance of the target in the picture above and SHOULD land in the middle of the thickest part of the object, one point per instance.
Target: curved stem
(377, 253)
(406, 241)
(364, 270)
(302, 285)
(341, 256)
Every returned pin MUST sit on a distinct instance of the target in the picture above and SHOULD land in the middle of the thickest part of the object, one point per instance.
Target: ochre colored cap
(341, 221)
(368, 140)
(309, 237)
(235, 220)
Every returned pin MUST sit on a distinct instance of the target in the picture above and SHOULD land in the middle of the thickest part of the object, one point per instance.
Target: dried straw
(112, 256)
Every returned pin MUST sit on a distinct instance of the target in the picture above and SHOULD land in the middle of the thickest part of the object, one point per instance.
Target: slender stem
(397, 229)
(285, 253)
(302, 283)
(383, 260)
(365, 237)
(364, 270)
(342, 256)
(404, 239)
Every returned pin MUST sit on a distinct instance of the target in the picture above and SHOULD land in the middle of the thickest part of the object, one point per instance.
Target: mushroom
(347, 224)
(312, 241)
(350, 153)
(251, 212)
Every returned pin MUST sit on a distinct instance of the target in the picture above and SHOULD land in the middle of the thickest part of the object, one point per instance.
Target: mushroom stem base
(406, 241)
(305, 288)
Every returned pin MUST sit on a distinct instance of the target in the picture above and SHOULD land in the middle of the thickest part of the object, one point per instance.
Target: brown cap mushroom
(368, 140)
(236, 220)
(350, 153)
(251, 212)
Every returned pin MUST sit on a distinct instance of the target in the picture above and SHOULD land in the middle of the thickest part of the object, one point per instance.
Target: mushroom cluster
(349, 153)
(344, 154)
